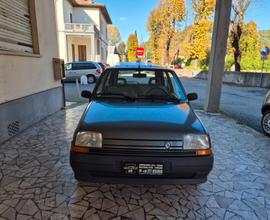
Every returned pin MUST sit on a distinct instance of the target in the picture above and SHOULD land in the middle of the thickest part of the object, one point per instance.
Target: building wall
(103, 27)
(94, 16)
(79, 40)
(62, 9)
(67, 10)
(81, 15)
(86, 15)
(26, 75)
(103, 38)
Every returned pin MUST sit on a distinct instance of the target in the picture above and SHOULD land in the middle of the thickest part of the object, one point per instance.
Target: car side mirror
(86, 94)
(192, 96)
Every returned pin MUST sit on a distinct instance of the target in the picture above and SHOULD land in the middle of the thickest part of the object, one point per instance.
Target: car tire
(91, 79)
(265, 123)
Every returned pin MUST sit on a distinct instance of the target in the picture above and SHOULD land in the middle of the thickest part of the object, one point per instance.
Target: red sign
(140, 52)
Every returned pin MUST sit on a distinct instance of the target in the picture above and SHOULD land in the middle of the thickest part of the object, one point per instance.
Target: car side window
(69, 66)
(177, 86)
(83, 66)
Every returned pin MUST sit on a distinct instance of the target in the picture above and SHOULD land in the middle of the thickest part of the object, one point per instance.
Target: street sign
(265, 52)
(140, 52)
(264, 57)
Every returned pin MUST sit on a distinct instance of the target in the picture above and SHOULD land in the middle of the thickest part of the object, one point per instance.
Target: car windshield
(140, 84)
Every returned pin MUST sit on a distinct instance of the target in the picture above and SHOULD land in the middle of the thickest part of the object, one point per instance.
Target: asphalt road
(242, 103)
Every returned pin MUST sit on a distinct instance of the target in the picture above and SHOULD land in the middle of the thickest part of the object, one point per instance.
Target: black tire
(91, 79)
(265, 123)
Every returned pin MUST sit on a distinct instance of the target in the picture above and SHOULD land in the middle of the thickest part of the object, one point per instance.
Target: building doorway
(73, 53)
(82, 52)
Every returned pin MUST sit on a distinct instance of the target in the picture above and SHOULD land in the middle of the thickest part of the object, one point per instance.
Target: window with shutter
(15, 26)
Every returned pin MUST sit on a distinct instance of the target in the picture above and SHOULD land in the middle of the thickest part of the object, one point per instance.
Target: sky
(131, 15)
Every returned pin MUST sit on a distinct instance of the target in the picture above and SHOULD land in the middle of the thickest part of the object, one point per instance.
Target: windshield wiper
(109, 95)
(170, 98)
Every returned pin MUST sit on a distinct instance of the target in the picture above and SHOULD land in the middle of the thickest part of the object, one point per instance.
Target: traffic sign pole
(265, 52)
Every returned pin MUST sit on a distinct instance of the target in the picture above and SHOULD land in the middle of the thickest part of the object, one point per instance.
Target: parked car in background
(139, 127)
(176, 67)
(103, 66)
(75, 70)
(265, 122)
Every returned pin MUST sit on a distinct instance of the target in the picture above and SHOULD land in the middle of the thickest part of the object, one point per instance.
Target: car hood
(139, 120)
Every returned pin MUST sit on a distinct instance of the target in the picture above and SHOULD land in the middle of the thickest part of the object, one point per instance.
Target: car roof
(137, 65)
(81, 62)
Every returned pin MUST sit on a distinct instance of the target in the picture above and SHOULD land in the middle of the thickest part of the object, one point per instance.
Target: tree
(122, 51)
(250, 47)
(132, 47)
(201, 30)
(147, 51)
(240, 8)
(113, 35)
(162, 24)
(250, 40)
(154, 27)
(172, 12)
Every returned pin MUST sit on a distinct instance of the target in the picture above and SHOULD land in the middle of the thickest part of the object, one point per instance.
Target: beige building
(82, 30)
(29, 88)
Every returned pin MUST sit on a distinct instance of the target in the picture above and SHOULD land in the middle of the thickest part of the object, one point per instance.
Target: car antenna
(138, 61)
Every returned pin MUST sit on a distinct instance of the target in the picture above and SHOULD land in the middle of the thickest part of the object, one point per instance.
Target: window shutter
(15, 26)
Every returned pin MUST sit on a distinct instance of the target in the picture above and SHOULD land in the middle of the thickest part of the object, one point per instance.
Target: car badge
(167, 145)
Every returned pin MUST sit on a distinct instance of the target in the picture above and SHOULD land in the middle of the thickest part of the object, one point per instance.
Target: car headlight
(89, 139)
(196, 142)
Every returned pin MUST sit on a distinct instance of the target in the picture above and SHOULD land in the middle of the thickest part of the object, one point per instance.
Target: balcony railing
(79, 28)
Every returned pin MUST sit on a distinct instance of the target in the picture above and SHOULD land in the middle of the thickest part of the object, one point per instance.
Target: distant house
(82, 30)
(113, 56)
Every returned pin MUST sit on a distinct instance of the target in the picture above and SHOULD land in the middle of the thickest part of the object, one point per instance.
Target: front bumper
(108, 168)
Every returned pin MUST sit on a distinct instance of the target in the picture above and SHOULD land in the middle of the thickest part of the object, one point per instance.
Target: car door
(75, 71)
(86, 68)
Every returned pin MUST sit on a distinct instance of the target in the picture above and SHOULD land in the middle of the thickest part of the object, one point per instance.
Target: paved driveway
(36, 181)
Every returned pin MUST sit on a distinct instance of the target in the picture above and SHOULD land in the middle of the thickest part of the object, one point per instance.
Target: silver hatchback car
(75, 70)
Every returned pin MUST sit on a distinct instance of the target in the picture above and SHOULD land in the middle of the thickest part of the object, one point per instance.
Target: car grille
(135, 144)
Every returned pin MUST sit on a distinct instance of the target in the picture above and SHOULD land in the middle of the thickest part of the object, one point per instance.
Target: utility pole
(218, 53)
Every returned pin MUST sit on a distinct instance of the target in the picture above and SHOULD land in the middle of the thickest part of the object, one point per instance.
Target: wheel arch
(265, 108)
(92, 75)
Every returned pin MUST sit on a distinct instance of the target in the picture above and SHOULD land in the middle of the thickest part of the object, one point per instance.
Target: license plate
(143, 169)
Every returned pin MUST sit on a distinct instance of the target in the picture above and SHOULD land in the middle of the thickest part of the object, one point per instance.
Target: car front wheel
(91, 79)
(266, 123)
